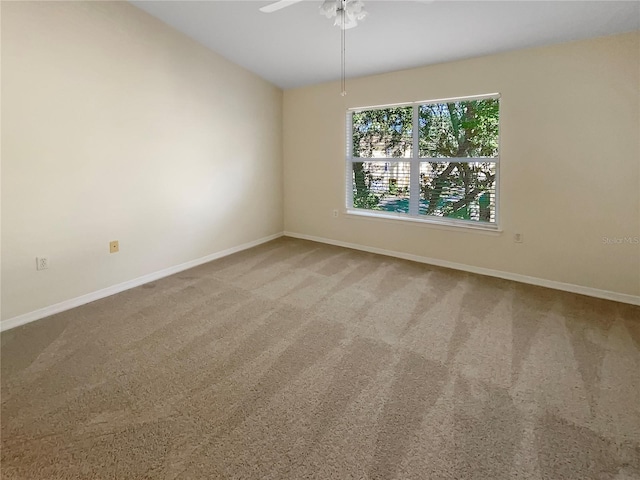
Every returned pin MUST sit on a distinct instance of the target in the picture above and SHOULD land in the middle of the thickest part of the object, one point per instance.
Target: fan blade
(272, 7)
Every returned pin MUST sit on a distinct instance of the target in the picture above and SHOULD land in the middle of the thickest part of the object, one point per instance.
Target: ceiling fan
(345, 12)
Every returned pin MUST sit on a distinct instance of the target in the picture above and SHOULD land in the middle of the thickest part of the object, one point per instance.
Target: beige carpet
(296, 360)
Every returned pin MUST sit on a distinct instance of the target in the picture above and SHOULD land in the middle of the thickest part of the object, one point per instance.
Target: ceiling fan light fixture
(346, 12)
(329, 8)
(349, 22)
(355, 8)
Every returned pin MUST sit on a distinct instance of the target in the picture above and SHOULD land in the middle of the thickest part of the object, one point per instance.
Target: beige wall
(570, 153)
(117, 127)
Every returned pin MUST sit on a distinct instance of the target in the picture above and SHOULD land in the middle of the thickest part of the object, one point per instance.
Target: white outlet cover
(42, 263)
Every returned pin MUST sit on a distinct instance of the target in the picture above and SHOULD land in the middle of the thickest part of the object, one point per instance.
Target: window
(435, 161)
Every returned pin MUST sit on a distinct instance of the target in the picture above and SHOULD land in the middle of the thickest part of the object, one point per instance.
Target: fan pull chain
(343, 84)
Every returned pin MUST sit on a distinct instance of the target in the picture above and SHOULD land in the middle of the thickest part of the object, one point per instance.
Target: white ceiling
(297, 46)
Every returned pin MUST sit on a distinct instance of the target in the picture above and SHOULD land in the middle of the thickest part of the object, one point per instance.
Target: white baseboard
(136, 282)
(541, 282)
(121, 287)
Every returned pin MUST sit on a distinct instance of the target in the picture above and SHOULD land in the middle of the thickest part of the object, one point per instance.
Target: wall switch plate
(114, 246)
(335, 213)
(42, 263)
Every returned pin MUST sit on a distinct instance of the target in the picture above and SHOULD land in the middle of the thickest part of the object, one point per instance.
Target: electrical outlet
(42, 263)
(335, 213)
(518, 237)
(114, 246)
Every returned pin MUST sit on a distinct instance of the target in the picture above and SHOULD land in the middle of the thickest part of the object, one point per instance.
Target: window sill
(429, 222)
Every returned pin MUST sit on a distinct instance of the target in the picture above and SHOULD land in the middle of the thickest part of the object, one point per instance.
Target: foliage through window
(429, 160)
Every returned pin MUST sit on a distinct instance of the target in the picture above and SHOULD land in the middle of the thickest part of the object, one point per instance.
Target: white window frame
(415, 160)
